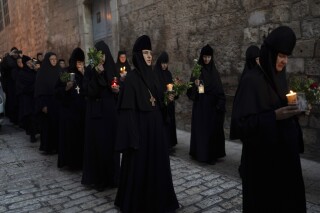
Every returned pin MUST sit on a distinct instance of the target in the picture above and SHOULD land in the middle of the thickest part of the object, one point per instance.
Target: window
(4, 14)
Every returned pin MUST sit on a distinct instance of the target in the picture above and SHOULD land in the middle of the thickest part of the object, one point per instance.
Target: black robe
(9, 70)
(165, 77)
(25, 92)
(272, 178)
(46, 79)
(71, 123)
(101, 162)
(208, 112)
(145, 179)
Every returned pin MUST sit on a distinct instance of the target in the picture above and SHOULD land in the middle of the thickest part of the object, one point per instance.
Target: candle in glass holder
(114, 82)
(201, 88)
(169, 87)
(292, 98)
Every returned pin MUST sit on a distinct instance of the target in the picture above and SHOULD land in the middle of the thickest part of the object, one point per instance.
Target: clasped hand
(287, 112)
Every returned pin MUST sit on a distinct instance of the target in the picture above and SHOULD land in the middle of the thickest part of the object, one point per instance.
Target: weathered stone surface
(304, 49)
(295, 65)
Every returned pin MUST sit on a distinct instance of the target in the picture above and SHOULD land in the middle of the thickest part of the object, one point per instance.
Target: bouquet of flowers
(178, 88)
(64, 77)
(196, 71)
(306, 85)
(95, 56)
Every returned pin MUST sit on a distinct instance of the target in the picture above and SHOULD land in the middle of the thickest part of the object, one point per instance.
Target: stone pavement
(31, 182)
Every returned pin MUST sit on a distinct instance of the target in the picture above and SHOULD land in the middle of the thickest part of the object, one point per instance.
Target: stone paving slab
(31, 182)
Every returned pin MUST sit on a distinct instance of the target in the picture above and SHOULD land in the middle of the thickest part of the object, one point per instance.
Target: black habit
(25, 83)
(165, 77)
(272, 179)
(208, 111)
(145, 179)
(72, 116)
(101, 162)
(46, 79)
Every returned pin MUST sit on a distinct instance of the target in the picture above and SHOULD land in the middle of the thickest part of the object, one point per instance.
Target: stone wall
(43, 25)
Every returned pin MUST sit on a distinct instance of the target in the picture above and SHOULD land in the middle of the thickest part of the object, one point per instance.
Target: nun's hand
(69, 85)
(197, 82)
(171, 97)
(115, 89)
(287, 112)
(100, 68)
(45, 110)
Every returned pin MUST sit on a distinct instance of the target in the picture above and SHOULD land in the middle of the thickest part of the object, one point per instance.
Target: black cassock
(72, 123)
(208, 111)
(25, 92)
(145, 180)
(46, 79)
(9, 70)
(271, 170)
(101, 162)
(165, 77)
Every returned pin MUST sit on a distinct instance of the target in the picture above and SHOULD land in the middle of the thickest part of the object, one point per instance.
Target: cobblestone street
(31, 181)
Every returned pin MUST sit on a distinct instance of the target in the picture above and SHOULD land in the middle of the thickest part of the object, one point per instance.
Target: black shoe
(33, 138)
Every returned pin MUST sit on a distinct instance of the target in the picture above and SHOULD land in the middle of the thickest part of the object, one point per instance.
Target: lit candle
(169, 87)
(201, 88)
(292, 97)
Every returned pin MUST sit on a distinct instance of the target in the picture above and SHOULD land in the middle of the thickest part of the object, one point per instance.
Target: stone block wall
(41, 26)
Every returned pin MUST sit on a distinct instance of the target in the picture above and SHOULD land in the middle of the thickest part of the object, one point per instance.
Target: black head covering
(76, 55)
(126, 63)
(145, 71)
(25, 58)
(164, 76)
(47, 77)
(109, 65)
(138, 83)
(252, 53)
(281, 40)
(209, 72)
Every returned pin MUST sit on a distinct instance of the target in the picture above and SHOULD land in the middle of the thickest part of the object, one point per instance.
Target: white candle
(292, 97)
(201, 88)
(169, 87)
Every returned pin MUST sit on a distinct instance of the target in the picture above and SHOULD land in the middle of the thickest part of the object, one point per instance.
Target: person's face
(147, 55)
(258, 60)
(62, 64)
(40, 57)
(164, 66)
(206, 59)
(103, 59)
(123, 58)
(281, 62)
(19, 62)
(53, 60)
(37, 66)
(80, 65)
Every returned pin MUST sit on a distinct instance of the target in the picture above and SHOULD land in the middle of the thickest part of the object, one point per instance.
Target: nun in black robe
(120, 64)
(145, 179)
(252, 57)
(25, 92)
(269, 130)
(165, 77)
(47, 106)
(208, 111)
(101, 162)
(72, 114)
